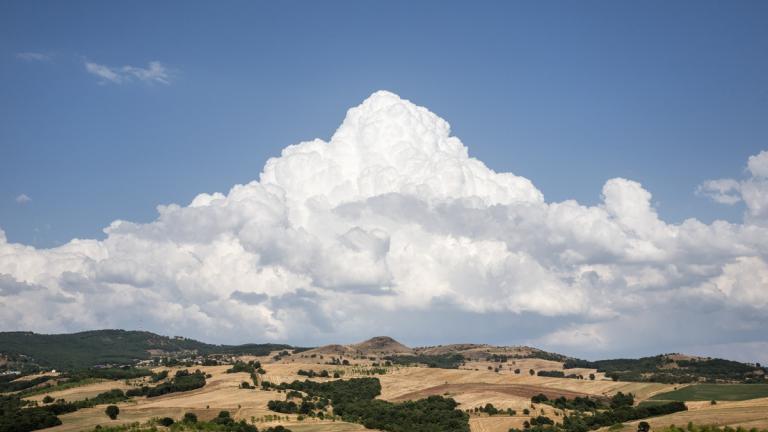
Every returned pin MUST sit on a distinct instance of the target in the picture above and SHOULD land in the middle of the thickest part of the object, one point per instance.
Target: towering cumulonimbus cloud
(390, 227)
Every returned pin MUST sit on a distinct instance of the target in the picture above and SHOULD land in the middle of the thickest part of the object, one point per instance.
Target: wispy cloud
(752, 190)
(155, 72)
(23, 199)
(723, 191)
(33, 56)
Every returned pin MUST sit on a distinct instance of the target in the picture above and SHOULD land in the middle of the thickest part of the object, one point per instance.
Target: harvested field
(409, 381)
(81, 392)
(496, 423)
(751, 413)
(468, 387)
(525, 391)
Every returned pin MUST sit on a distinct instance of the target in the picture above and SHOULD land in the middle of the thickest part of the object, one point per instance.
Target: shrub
(112, 411)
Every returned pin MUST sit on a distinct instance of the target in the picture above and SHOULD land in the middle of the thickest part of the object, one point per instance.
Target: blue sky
(566, 94)
(113, 110)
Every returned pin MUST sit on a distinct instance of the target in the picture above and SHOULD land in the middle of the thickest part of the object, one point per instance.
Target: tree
(112, 411)
(541, 421)
(532, 372)
(622, 400)
(592, 376)
(166, 421)
(47, 399)
(643, 426)
(190, 418)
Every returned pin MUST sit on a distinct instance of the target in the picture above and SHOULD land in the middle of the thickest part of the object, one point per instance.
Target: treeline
(551, 373)
(121, 373)
(13, 386)
(589, 414)
(656, 369)
(312, 374)
(181, 382)
(442, 361)
(625, 414)
(354, 401)
(492, 410)
(16, 414)
(433, 414)
(251, 367)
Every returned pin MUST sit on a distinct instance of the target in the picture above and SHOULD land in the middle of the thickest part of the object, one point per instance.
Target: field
(473, 385)
(748, 413)
(718, 392)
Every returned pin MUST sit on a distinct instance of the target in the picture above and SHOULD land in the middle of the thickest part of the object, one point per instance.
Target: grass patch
(721, 392)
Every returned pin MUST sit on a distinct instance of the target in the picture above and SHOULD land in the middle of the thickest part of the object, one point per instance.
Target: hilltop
(375, 346)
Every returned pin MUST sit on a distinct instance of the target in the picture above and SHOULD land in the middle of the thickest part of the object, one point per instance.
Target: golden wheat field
(472, 386)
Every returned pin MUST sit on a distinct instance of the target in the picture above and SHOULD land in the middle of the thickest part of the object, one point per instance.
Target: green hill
(90, 348)
(671, 368)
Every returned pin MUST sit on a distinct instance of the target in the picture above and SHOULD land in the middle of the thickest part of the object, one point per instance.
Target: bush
(166, 421)
(190, 418)
(541, 421)
(553, 373)
(112, 411)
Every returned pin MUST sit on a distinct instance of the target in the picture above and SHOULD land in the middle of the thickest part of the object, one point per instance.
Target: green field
(721, 392)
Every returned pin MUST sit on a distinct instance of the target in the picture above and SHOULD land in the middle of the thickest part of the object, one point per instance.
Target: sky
(600, 190)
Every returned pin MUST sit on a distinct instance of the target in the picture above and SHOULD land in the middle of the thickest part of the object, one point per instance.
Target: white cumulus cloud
(392, 227)
(753, 190)
(23, 199)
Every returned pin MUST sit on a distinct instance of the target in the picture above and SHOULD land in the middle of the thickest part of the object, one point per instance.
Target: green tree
(112, 411)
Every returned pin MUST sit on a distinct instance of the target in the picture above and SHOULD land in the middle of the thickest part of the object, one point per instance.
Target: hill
(27, 351)
(675, 368)
(382, 345)
(374, 347)
(98, 347)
